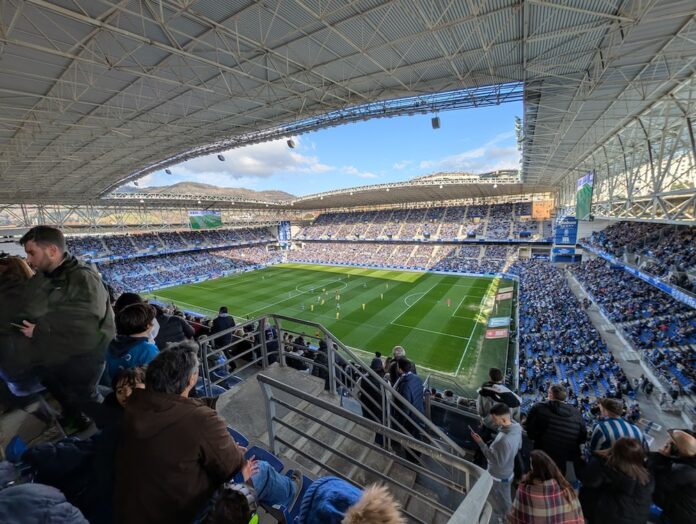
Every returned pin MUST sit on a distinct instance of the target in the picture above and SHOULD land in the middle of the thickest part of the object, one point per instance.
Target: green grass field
(439, 319)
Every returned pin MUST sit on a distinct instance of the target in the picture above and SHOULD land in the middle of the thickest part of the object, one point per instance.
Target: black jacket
(611, 497)
(675, 487)
(557, 429)
(172, 329)
(221, 324)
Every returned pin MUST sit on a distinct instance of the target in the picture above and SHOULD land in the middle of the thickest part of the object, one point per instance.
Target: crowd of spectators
(624, 297)
(93, 247)
(656, 324)
(617, 238)
(466, 259)
(165, 270)
(559, 344)
(666, 251)
(499, 221)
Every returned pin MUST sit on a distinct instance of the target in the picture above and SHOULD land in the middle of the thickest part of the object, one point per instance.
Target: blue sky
(369, 152)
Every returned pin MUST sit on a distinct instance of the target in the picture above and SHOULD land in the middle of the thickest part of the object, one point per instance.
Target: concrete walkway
(632, 365)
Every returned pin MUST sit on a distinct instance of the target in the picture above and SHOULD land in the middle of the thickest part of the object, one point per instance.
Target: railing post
(331, 357)
(203, 352)
(262, 338)
(270, 416)
(281, 345)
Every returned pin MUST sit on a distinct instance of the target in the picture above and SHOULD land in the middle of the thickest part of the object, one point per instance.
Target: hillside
(197, 188)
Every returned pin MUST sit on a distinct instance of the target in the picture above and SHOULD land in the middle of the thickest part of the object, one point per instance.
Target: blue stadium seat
(238, 437)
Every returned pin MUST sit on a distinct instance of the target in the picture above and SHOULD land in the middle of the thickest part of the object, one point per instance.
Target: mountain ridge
(199, 188)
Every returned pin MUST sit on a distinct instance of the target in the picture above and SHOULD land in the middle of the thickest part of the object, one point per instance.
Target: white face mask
(153, 332)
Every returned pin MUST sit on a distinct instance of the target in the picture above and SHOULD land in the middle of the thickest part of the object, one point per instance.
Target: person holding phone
(501, 458)
(71, 325)
(15, 359)
(674, 469)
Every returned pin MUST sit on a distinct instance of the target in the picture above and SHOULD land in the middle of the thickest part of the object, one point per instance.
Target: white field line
(430, 331)
(414, 303)
(185, 303)
(454, 313)
(461, 360)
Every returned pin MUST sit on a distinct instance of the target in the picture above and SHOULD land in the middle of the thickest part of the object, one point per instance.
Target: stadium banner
(504, 296)
(541, 209)
(506, 290)
(497, 322)
(676, 294)
(566, 231)
(583, 197)
(496, 333)
(205, 219)
(563, 250)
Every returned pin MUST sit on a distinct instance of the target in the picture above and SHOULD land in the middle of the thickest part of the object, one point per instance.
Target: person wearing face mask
(131, 347)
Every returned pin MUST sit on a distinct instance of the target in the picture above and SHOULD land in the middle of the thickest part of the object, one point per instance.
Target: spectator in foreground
(674, 467)
(131, 347)
(70, 336)
(616, 485)
(174, 451)
(32, 503)
(410, 386)
(557, 428)
(221, 323)
(328, 500)
(612, 427)
(15, 358)
(544, 496)
(501, 458)
(494, 392)
(172, 329)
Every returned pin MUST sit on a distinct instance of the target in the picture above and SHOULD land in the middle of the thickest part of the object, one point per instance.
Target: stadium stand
(146, 244)
(666, 251)
(661, 328)
(494, 222)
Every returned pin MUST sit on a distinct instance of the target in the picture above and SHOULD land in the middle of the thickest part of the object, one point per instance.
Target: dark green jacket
(77, 318)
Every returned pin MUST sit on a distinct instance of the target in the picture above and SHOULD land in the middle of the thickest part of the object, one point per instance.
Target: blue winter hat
(327, 500)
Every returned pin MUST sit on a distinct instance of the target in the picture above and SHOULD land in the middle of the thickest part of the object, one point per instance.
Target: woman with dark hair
(616, 485)
(545, 496)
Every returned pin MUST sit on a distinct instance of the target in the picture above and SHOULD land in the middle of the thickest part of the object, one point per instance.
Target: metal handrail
(343, 367)
(473, 509)
(394, 401)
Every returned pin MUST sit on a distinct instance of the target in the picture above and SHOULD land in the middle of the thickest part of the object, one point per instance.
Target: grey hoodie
(501, 453)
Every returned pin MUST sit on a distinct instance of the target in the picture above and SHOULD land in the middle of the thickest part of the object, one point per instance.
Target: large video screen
(205, 219)
(583, 201)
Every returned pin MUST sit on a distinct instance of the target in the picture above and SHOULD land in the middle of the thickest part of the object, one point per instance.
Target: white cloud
(489, 157)
(258, 161)
(403, 164)
(352, 170)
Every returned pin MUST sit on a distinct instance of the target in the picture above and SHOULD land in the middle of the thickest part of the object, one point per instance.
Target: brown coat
(174, 452)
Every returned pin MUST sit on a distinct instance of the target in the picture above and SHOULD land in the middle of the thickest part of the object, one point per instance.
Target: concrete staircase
(318, 450)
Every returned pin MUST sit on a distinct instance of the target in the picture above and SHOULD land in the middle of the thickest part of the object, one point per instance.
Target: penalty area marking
(431, 331)
(414, 302)
(412, 295)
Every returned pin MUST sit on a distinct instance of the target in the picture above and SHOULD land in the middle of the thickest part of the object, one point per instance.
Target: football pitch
(439, 319)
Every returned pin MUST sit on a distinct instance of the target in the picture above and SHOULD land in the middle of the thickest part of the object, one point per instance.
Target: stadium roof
(94, 93)
(438, 187)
